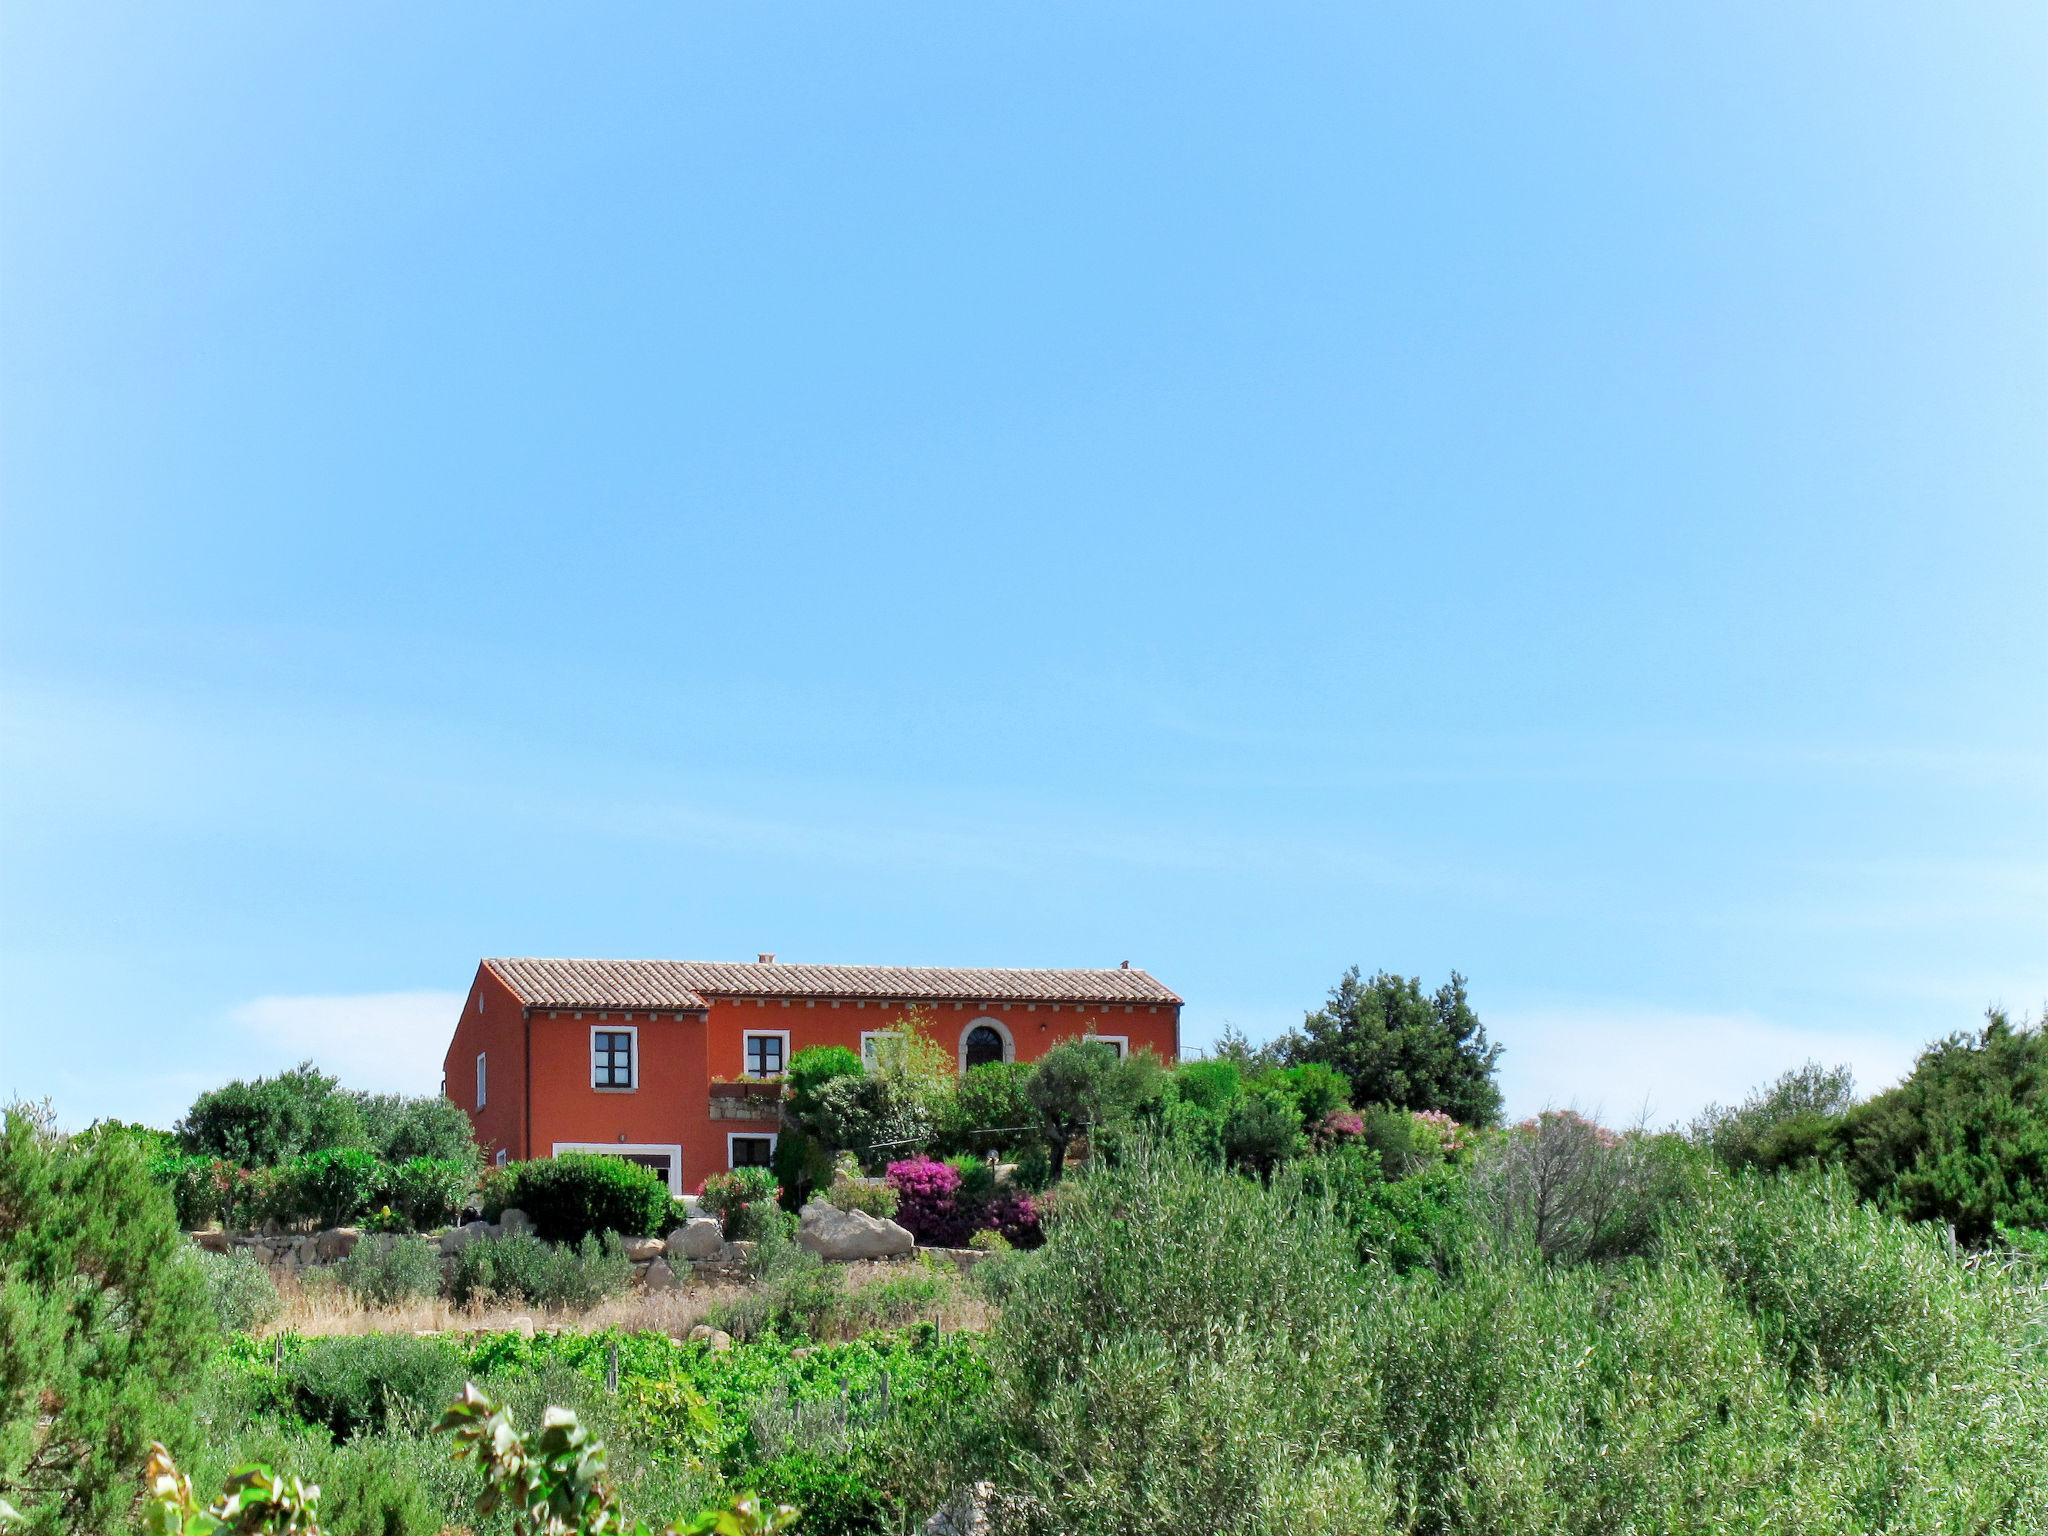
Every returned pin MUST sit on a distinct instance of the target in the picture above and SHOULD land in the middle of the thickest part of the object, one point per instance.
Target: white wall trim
(874, 1034)
(482, 1078)
(748, 1034)
(1009, 1040)
(1121, 1042)
(733, 1136)
(633, 1058)
(673, 1149)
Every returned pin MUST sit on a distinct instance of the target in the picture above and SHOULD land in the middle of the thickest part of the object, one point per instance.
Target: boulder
(831, 1233)
(641, 1249)
(658, 1276)
(513, 1220)
(717, 1340)
(336, 1243)
(701, 1238)
(965, 1514)
(455, 1239)
(523, 1326)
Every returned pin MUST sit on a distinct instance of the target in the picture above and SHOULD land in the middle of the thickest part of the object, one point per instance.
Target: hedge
(572, 1196)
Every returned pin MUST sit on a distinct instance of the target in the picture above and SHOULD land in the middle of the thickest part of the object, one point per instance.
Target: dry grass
(322, 1309)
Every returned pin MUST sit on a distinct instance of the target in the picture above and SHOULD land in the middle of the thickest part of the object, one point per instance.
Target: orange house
(667, 1062)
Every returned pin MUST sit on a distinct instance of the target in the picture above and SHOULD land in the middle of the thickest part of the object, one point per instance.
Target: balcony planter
(747, 1100)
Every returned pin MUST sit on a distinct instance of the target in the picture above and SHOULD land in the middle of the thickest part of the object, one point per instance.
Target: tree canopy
(1400, 1046)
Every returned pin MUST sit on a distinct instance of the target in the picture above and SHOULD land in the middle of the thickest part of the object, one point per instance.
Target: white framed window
(1121, 1044)
(764, 1052)
(749, 1149)
(875, 1045)
(502, 1158)
(985, 1040)
(664, 1157)
(614, 1057)
(481, 1079)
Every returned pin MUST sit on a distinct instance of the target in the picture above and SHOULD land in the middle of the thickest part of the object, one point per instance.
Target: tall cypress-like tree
(104, 1325)
(1400, 1046)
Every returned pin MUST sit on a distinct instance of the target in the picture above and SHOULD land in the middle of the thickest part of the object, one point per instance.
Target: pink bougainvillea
(928, 1200)
(930, 1205)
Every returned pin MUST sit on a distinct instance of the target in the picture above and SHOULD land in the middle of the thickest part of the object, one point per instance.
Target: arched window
(984, 1040)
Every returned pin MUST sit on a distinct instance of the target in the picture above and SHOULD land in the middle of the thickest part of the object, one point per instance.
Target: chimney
(767, 958)
(1125, 966)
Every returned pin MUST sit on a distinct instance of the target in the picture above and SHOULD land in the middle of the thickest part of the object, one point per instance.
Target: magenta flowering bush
(1015, 1215)
(928, 1200)
(931, 1205)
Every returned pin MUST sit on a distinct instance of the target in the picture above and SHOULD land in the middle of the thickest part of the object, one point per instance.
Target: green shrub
(1262, 1131)
(239, 1289)
(427, 1191)
(801, 1164)
(1195, 1130)
(833, 1494)
(1964, 1139)
(1195, 1351)
(262, 1123)
(876, 1197)
(877, 1117)
(1837, 1287)
(577, 1194)
(354, 1383)
(373, 1486)
(523, 1268)
(104, 1324)
(988, 1240)
(988, 1109)
(1209, 1085)
(1753, 1133)
(810, 1069)
(1315, 1089)
(1149, 1361)
(329, 1188)
(400, 1127)
(385, 1271)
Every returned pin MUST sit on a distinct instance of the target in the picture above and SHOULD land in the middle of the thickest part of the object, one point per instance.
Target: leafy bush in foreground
(552, 1484)
(104, 1320)
(577, 1194)
(352, 1383)
(1196, 1351)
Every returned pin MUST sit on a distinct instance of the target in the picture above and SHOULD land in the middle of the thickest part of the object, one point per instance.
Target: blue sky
(1555, 491)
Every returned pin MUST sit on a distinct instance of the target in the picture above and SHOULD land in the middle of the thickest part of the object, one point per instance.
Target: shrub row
(321, 1188)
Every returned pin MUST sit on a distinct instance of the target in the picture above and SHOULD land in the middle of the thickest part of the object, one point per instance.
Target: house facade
(672, 1063)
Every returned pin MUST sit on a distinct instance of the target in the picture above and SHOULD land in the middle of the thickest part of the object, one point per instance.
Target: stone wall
(694, 1252)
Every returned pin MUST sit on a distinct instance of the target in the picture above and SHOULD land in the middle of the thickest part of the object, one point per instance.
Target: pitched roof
(690, 984)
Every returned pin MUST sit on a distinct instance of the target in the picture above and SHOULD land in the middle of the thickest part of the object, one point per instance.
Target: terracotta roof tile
(688, 984)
